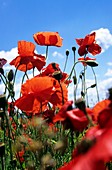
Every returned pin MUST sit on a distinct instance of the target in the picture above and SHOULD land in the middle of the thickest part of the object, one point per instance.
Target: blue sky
(20, 19)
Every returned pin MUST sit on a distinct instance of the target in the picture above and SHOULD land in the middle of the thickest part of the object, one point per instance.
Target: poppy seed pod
(80, 103)
(67, 52)
(10, 75)
(73, 49)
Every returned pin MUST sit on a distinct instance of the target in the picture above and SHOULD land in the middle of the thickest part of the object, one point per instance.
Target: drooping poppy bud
(93, 85)
(92, 63)
(2, 71)
(10, 75)
(82, 94)
(80, 103)
(75, 80)
(80, 76)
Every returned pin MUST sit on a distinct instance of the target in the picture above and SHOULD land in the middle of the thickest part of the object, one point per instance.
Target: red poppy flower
(99, 107)
(88, 61)
(27, 59)
(42, 89)
(75, 117)
(37, 88)
(78, 118)
(48, 38)
(88, 44)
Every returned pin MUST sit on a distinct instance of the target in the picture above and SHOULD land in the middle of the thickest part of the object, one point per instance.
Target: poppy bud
(75, 79)
(10, 75)
(57, 75)
(67, 52)
(2, 71)
(54, 66)
(80, 103)
(80, 76)
(93, 85)
(82, 93)
(73, 49)
(82, 73)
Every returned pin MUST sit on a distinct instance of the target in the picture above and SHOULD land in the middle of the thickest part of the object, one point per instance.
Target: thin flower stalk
(46, 52)
(98, 98)
(67, 54)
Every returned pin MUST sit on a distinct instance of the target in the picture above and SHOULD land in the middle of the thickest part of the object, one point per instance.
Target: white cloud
(103, 38)
(57, 54)
(109, 72)
(109, 63)
(9, 55)
(103, 86)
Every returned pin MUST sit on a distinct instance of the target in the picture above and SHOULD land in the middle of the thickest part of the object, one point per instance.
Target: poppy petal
(25, 48)
(25, 103)
(99, 107)
(94, 49)
(89, 39)
(82, 50)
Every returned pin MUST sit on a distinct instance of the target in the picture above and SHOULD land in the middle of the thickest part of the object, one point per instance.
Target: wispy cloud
(57, 54)
(103, 38)
(103, 86)
(109, 72)
(109, 63)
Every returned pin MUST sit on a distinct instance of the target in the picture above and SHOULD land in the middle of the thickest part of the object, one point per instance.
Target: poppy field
(42, 129)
